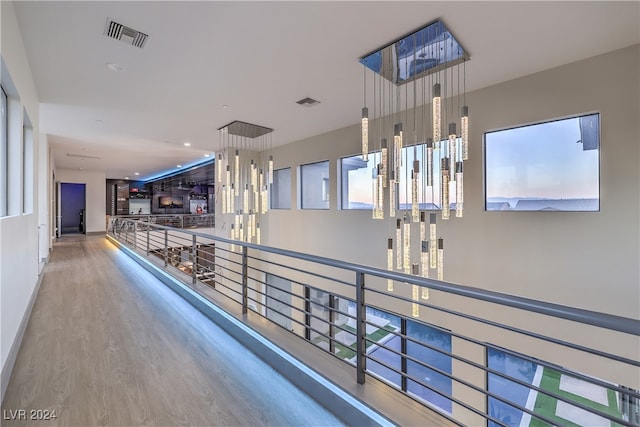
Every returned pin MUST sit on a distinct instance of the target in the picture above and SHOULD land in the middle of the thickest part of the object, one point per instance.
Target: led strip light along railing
(325, 275)
(432, 181)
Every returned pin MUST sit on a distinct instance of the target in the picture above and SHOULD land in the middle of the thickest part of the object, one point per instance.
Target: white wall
(18, 232)
(584, 260)
(96, 195)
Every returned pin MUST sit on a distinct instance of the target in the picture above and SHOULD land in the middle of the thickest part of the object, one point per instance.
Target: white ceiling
(258, 58)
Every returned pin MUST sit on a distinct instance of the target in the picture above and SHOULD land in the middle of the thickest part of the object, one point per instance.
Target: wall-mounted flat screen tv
(170, 202)
(550, 166)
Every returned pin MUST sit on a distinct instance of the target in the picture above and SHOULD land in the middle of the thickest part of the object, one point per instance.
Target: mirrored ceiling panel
(428, 50)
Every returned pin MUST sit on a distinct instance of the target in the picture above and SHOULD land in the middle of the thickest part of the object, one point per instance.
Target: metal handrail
(593, 318)
(240, 259)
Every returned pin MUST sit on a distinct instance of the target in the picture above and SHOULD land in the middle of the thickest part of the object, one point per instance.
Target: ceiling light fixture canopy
(424, 67)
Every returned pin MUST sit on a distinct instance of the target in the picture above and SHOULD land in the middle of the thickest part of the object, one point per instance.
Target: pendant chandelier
(418, 86)
(244, 173)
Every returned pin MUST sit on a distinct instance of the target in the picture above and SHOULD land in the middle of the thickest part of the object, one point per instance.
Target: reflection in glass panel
(321, 318)
(314, 185)
(384, 323)
(279, 300)
(345, 335)
(281, 189)
(357, 186)
(569, 388)
(416, 55)
(356, 181)
(552, 166)
(442, 383)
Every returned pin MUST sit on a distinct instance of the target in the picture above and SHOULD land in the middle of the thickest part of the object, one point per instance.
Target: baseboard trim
(7, 368)
(344, 405)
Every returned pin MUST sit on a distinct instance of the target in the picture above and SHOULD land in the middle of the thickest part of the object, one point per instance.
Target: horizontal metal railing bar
(563, 370)
(188, 243)
(435, 390)
(342, 282)
(593, 318)
(301, 310)
(488, 370)
(333, 309)
(464, 360)
(222, 285)
(512, 329)
(486, 344)
(367, 339)
(233, 272)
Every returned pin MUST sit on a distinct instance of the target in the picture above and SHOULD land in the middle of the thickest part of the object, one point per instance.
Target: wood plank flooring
(109, 345)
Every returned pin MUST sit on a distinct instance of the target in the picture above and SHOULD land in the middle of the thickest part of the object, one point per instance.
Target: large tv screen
(550, 166)
(170, 202)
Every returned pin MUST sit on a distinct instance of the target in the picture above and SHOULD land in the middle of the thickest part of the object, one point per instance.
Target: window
(550, 166)
(4, 125)
(314, 185)
(558, 382)
(281, 189)
(279, 300)
(27, 165)
(356, 182)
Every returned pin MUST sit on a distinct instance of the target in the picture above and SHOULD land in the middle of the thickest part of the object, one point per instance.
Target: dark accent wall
(72, 201)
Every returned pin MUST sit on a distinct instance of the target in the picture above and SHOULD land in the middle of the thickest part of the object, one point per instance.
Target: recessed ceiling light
(207, 155)
(114, 67)
(126, 177)
(137, 173)
(226, 107)
(178, 166)
(187, 144)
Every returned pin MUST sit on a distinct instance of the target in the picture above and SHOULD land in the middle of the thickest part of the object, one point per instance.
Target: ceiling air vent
(125, 34)
(307, 102)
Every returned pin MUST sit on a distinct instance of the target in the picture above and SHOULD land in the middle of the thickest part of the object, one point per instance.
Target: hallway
(108, 344)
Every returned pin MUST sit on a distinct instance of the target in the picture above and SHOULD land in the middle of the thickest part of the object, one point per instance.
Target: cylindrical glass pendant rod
(365, 134)
(380, 200)
(384, 161)
(258, 234)
(424, 258)
(415, 208)
(390, 263)
(436, 113)
(433, 235)
(397, 147)
(429, 162)
(392, 194)
(406, 246)
(270, 169)
(444, 192)
(224, 199)
(245, 199)
(415, 294)
(440, 259)
(459, 190)
(236, 173)
(233, 236)
(452, 143)
(398, 243)
(464, 132)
